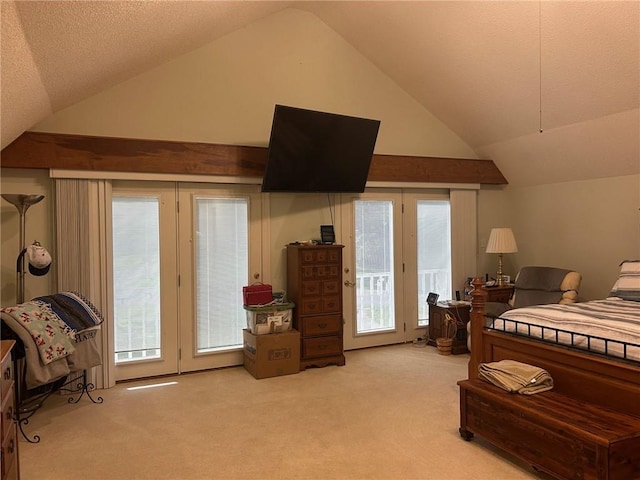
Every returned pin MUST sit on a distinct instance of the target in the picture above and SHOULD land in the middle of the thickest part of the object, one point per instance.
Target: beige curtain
(464, 232)
(82, 255)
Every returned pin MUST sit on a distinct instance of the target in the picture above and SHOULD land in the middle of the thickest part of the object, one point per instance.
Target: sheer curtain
(82, 233)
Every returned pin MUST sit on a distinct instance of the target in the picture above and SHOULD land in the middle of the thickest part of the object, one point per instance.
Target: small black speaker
(327, 235)
(458, 295)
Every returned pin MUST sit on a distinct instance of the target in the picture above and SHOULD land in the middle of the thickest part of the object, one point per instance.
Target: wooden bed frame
(586, 427)
(592, 378)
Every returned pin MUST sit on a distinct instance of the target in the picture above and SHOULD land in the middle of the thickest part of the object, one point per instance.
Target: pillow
(627, 286)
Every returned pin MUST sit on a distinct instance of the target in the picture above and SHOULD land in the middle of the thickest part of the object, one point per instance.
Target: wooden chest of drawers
(9, 468)
(313, 284)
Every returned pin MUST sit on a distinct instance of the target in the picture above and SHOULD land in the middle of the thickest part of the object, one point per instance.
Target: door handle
(348, 283)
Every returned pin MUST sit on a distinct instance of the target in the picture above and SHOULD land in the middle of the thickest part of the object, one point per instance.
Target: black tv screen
(312, 151)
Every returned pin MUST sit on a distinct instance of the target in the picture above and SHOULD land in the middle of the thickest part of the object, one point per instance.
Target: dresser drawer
(311, 288)
(334, 256)
(321, 325)
(310, 306)
(10, 455)
(317, 255)
(7, 375)
(321, 272)
(319, 305)
(321, 346)
(6, 420)
(331, 287)
(331, 304)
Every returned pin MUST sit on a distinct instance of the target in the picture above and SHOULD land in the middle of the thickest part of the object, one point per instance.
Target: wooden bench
(562, 436)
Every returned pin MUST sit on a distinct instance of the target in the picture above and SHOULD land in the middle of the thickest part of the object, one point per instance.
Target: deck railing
(375, 297)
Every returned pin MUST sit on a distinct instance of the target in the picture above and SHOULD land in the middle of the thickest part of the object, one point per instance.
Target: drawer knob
(7, 373)
(322, 325)
(11, 446)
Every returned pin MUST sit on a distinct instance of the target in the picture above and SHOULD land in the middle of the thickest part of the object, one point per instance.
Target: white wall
(589, 226)
(38, 226)
(225, 92)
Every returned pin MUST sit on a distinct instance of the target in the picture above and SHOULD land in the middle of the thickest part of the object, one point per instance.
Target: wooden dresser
(9, 468)
(314, 276)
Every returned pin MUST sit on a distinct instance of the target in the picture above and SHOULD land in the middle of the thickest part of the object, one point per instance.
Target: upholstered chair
(537, 286)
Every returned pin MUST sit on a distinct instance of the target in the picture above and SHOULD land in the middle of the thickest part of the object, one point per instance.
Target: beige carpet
(390, 413)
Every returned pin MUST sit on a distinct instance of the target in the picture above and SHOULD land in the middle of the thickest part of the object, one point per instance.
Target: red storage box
(257, 294)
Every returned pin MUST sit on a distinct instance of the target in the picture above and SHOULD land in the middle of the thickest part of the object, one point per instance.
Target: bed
(588, 425)
(597, 376)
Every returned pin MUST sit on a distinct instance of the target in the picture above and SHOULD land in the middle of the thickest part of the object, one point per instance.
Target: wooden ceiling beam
(80, 152)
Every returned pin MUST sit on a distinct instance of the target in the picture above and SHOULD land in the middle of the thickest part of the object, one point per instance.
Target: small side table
(436, 324)
(499, 293)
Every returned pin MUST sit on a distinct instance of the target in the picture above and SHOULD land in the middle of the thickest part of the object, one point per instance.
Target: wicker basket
(450, 328)
(444, 345)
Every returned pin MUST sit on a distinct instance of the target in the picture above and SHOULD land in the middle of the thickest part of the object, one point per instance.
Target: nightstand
(436, 324)
(499, 293)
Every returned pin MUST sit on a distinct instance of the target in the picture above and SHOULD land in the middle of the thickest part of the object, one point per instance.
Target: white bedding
(613, 319)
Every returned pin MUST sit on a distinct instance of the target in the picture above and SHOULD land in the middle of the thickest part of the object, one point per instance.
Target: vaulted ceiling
(548, 90)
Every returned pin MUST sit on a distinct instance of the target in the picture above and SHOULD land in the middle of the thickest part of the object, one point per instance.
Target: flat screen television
(311, 151)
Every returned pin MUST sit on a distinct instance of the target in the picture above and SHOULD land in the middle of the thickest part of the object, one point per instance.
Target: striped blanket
(72, 308)
(613, 319)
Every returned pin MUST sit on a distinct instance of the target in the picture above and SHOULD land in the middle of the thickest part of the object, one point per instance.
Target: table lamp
(501, 240)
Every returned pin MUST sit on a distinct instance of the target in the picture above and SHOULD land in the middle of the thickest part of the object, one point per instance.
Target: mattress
(610, 326)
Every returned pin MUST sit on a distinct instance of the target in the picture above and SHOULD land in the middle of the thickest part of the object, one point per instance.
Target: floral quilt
(53, 338)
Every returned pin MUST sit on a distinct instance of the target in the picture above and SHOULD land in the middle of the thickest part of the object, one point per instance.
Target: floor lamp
(22, 203)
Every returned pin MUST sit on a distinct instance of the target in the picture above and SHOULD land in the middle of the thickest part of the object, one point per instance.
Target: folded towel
(515, 376)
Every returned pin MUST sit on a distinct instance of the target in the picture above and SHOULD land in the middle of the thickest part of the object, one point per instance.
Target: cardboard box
(271, 319)
(271, 355)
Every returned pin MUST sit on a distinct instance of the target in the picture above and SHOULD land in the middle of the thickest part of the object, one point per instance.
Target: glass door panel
(222, 268)
(375, 297)
(136, 278)
(433, 219)
(144, 279)
(220, 247)
(373, 270)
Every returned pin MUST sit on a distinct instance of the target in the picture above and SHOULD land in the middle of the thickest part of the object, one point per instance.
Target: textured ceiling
(494, 72)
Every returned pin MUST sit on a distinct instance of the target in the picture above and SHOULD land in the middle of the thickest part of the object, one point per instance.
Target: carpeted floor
(390, 413)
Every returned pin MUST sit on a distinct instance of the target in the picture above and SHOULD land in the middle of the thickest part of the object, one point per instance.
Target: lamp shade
(501, 240)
